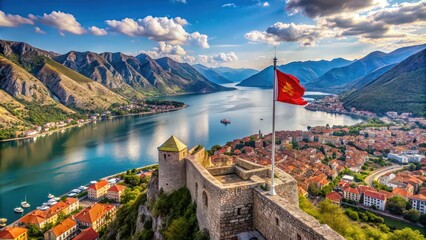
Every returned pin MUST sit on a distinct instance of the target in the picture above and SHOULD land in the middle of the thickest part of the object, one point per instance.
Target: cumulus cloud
(160, 29)
(265, 4)
(97, 31)
(283, 32)
(315, 8)
(217, 60)
(370, 21)
(402, 13)
(229, 5)
(9, 20)
(64, 22)
(38, 30)
(175, 52)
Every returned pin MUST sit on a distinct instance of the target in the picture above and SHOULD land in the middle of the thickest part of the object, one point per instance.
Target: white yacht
(50, 195)
(76, 191)
(25, 204)
(18, 210)
(52, 203)
(72, 194)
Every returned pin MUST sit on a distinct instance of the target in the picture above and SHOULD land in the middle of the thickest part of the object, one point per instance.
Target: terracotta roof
(376, 195)
(64, 226)
(401, 192)
(12, 232)
(334, 196)
(352, 190)
(419, 197)
(35, 217)
(172, 145)
(87, 234)
(365, 188)
(93, 213)
(55, 209)
(71, 201)
(98, 185)
(116, 188)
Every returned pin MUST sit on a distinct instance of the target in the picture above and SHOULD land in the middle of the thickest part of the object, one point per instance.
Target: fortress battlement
(233, 200)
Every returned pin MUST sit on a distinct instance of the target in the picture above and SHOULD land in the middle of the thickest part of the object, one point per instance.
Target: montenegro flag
(288, 89)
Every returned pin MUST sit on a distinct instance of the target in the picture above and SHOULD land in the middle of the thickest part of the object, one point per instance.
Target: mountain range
(38, 86)
(304, 71)
(402, 89)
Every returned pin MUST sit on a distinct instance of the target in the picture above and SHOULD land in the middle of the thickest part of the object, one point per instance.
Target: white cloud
(64, 22)
(229, 5)
(283, 32)
(372, 21)
(160, 29)
(175, 52)
(265, 4)
(217, 60)
(179, 1)
(38, 30)
(97, 31)
(9, 20)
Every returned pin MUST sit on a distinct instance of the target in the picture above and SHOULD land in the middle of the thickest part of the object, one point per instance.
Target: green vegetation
(179, 216)
(165, 102)
(411, 215)
(68, 72)
(334, 216)
(396, 205)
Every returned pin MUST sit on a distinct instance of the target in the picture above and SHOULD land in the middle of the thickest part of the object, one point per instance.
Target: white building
(418, 202)
(348, 178)
(385, 179)
(352, 194)
(399, 158)
(372, 198)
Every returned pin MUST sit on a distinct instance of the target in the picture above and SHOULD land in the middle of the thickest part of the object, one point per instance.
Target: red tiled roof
(64, 226)
(35, 217)
(12, 232)
(93, 213)
(419, 197)
(87, 234)
(375, 195)
(116, 188)
(98, 185)
(334, 196)
(71, 201)
(352, 190)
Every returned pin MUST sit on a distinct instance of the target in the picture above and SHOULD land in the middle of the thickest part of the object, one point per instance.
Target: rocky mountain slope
(211, 74)
(336, 79)
(401, 89)
(235, 74)
(304, 71)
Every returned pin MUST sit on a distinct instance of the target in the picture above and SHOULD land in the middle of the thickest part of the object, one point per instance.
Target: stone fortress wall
(231, 199)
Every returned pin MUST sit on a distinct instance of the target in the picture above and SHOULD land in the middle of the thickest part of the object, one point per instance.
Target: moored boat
(50, 195)
(18, 210)
(3, 220)
(25, 204)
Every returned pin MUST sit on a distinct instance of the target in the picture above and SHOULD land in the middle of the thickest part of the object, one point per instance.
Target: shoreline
(81, 124)
(65, 194)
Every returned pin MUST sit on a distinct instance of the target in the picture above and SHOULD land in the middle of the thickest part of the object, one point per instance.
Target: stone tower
(171, 163)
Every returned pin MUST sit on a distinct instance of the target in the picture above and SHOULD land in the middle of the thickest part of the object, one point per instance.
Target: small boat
(56, 199)
(25, 204)
(72, 194)
(43, 208)
(52, 203)
(76, 191)
(93, 182)
(82, 188)
(261, 119)
(18, 210)
(3, 220)
(2, 225)
(225, 121)
(50, 195)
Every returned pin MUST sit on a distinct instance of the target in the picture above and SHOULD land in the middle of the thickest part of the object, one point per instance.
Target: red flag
(288, 89)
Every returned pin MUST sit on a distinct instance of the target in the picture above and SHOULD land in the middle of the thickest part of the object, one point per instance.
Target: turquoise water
(64, 161)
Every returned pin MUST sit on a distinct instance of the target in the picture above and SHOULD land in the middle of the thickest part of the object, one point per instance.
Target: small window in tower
(205, 199)
(299, 237)
(277, 221)
(239, 211)
(196, 191)
(164, 156)
(168, 155)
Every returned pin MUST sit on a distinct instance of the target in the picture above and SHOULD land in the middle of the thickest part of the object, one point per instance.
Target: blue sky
(230, 33)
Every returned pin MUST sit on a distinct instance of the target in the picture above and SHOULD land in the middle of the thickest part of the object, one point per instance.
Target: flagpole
(272, 190)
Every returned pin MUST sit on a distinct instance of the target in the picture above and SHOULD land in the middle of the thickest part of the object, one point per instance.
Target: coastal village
(80, 217)
(136, 108)
(339, 163)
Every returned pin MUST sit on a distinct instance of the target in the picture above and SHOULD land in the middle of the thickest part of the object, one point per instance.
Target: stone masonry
(231, 199)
